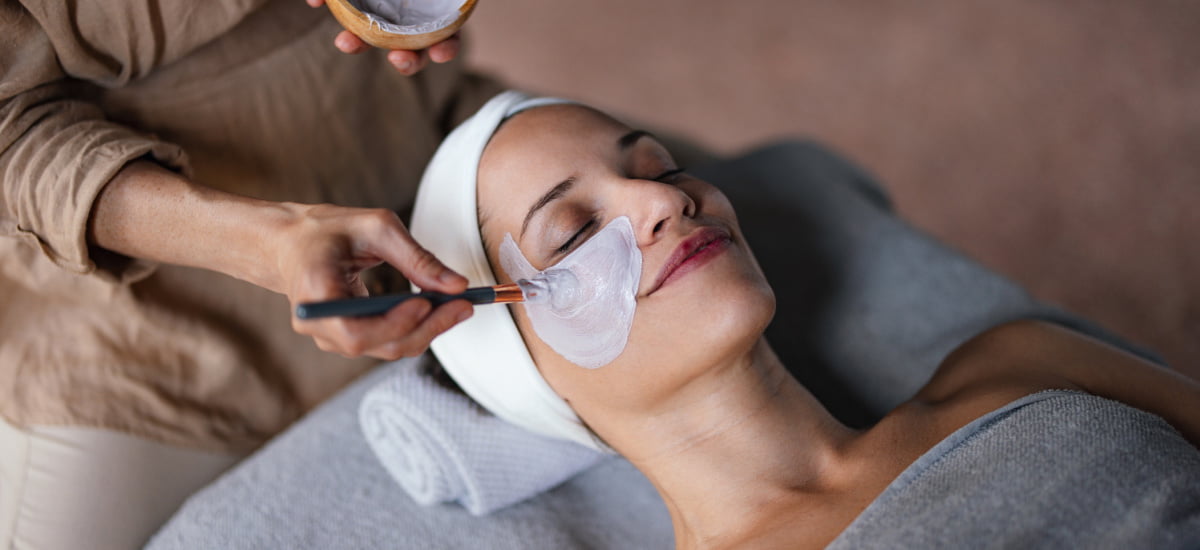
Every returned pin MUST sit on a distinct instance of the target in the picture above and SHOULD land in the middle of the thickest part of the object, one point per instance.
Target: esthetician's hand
(405, 61)
(308, 252)
(320, 256)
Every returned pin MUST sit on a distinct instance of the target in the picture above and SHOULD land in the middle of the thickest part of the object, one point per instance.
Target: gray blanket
(1053, 470)
(868, 307)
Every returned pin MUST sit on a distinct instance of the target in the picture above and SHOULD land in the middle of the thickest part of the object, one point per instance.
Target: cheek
(671, 342)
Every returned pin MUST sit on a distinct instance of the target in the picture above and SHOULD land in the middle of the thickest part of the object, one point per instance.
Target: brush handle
(378, 305)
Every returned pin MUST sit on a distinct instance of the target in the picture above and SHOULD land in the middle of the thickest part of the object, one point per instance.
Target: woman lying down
(654, 348)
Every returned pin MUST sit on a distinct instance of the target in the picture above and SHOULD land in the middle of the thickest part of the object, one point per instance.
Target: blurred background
(1058, 142)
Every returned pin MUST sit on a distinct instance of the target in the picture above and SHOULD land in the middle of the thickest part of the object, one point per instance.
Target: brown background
(1056, 141)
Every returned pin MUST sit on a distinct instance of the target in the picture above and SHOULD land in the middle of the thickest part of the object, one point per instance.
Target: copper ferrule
(508, 293)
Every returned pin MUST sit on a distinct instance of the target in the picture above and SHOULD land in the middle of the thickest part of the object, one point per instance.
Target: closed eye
(665, 177)
(570, 242)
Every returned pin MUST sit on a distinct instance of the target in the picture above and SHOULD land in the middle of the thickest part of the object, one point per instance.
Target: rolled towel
(442, 447)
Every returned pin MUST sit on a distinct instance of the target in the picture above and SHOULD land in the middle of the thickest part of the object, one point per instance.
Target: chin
(750, 307)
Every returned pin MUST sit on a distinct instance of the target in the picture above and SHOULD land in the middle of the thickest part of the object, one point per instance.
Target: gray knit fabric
(318, 486)
(1053, 470)
(868, 307)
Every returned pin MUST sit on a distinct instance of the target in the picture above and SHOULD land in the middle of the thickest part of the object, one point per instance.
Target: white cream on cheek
(590, 312)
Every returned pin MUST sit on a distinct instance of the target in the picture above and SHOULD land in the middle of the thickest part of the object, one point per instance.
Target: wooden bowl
(357, 22)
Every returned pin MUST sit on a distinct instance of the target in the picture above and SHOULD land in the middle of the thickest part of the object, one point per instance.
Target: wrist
(259, 233)
(270, 256)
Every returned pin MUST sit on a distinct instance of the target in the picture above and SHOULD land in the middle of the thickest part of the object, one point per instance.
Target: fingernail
(449, 277)
(466, 314)
(423, 308)
(404, 66)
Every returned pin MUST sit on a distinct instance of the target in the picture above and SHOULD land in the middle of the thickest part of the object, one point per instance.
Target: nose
(655, 208)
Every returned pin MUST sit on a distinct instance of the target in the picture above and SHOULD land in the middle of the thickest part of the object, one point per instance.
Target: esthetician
(175, 176)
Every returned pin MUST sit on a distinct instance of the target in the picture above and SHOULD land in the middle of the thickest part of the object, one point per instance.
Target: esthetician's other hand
(322, 253)
(405, 61)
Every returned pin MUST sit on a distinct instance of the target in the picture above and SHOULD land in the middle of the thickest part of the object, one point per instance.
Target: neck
(745, 443)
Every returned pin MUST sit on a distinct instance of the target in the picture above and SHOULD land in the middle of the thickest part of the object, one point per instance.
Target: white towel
(441, 447)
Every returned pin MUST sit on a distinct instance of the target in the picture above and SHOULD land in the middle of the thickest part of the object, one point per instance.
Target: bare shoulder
(1002, 364)
(989, 371)
(1023, 357)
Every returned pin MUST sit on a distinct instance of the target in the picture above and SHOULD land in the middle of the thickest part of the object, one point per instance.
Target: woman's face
(554, 176)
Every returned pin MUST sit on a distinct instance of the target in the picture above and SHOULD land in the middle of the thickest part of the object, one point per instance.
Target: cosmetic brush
(378, 305)
(524, 290)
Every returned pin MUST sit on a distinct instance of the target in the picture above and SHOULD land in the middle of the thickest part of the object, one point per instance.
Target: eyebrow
(624, 142)
(554, 193)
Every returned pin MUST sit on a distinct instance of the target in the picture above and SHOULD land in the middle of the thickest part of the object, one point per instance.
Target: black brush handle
(378, 305)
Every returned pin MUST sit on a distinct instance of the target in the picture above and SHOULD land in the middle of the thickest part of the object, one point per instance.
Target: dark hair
(436, 372)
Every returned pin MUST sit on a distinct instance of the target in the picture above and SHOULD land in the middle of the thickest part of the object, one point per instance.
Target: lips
(703, 244)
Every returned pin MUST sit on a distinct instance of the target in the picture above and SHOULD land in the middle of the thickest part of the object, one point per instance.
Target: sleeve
(57, 150)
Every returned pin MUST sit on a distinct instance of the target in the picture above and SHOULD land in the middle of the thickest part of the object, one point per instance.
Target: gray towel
(319, 486)
(1052, 470)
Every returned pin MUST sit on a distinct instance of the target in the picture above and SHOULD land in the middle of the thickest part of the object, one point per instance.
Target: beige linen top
(247, 96)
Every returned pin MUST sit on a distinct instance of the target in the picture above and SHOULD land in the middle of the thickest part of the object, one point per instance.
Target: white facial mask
(409, 16)
(586, 322)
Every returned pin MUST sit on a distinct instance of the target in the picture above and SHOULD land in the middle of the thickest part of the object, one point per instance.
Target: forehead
(561, 129)
(537, 149)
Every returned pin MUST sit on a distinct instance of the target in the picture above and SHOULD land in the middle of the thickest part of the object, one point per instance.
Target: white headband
(485, 354)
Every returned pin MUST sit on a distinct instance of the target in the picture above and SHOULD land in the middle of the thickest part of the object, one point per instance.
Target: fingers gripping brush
(555, 287)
